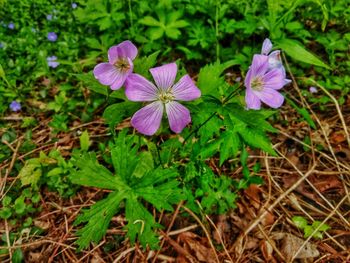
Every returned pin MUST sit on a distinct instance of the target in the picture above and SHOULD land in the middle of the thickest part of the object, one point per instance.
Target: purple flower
(11, 26)
(262, 84)
(74, 5)
(52, 36)
(313, 90)
(275, 60)
(49, 17)
(51, 62)
(162, 96)
(119, 66)
(15, 106)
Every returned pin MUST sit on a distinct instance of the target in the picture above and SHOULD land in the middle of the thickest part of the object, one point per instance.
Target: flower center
(257, 84)
(166, 96)
(122, 64)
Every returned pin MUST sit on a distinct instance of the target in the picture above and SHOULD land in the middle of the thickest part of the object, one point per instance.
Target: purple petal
(259, 65)
(165, 75)
(313, 90)
(147, 119)
(266, 46)
(140, 89)
(178, 115)
(252, 101)
(274, 79)
(248, 78)
(271, 97)
(185, 89)
(125, 49)
(275, 59)
(107, 74)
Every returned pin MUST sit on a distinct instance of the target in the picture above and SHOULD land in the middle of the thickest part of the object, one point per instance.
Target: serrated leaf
(91, 173)
(30, 174)
(210, 79)
(98, 218)
(141, 224)
(299, 221)
(144, 165)
(298, 52)
(256, 139)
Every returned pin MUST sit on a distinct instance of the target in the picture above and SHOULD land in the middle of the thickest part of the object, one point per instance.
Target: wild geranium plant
(163, 168)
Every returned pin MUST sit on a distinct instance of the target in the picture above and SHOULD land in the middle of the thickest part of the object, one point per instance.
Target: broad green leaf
(298, 52)
(150, 21)
(84, 141)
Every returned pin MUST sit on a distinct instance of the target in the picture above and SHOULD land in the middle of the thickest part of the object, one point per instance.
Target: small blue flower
(49, 17)
(51, 62)
(52, 36)
(313, 90)
(74, 5)
(11, 26)
(15, 106)
(1, 45)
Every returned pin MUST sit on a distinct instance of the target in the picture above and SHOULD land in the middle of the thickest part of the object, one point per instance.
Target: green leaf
(115, 113)
(91, 173)
(299, 221)
(98, 218)
(141, 224)
(142, 65)
(298, 52)
(210, 79)
(84, 141)
(17, 256)
(150, 21)
(30, 174)
(256, 139)
(308, 230)
(144, 165)
(303, 112)
(323, 227)
(92, 84)
(155, 33)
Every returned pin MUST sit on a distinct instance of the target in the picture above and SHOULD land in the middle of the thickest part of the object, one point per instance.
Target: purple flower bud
(74, 5)
(51, 62)
(11, 26)
(15, 106)
(313, 90)
(49, 17)
(52, 36)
